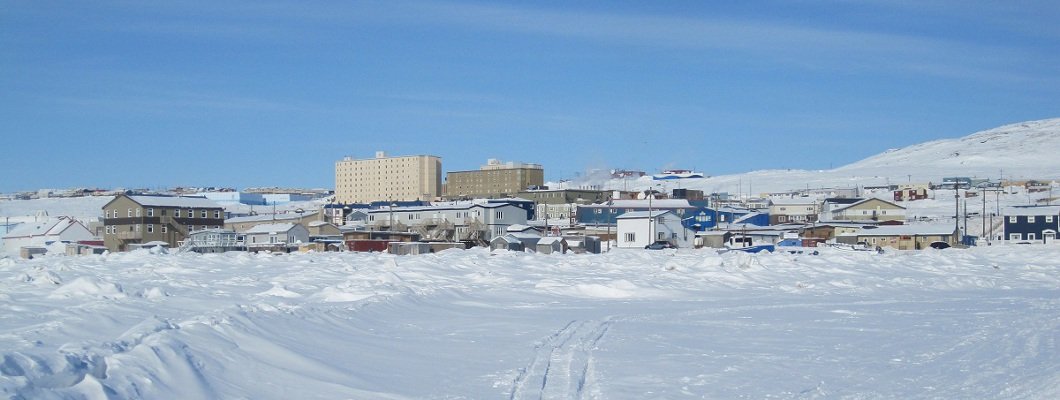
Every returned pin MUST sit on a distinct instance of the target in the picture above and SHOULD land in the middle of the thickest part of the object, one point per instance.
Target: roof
(1032, 210)
(271, 228)
(906, 230)
(663, 203)
(47, 227)
(793, 201)
(263, 218)
(319, 223)
(171, 201)
(643, 214)
(865, 201)
(454, 206)
(550, 239)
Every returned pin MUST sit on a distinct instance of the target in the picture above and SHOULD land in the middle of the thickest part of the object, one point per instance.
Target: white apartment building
(405, 178)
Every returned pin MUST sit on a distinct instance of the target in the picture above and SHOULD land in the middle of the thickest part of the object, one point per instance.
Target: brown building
(493, 180)
(131, 220)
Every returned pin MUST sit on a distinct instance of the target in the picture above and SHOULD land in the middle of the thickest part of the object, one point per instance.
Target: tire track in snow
(562, 363)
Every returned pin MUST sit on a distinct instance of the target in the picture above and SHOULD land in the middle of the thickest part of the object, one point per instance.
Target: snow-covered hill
(1026, 150)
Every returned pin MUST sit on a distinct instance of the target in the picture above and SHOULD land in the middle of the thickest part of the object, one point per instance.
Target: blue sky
(259, 93)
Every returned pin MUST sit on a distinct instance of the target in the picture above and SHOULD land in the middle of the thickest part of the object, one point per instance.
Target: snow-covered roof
(448, 206)
(663, 203)
(550, 239)
(318, 223)
(788, 201)
(170, 201)
(262, 218)
(51, 226)
(271, 228)
(1032, 210)
(912, 229)
(642, 214)
(838, 209)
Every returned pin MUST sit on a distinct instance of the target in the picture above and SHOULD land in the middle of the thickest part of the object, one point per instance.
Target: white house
(638, 229)
(450, 221)
(796, 209)
(48, 231)
(276, 236)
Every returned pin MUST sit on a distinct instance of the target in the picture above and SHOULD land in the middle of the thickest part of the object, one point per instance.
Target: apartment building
(144, 219)
(493, 180)
(405, 178)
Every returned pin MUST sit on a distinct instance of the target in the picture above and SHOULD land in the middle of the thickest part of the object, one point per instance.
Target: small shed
(551, 244)
(507, 242)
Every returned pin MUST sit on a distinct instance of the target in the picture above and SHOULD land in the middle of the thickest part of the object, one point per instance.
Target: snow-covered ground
(981, 323)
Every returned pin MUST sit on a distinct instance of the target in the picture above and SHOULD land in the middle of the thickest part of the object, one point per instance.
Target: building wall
(667, 227)
(492, 183)
(1020, 228)
(564, 196)
(405, 178)
(877, 210)
(149, 224)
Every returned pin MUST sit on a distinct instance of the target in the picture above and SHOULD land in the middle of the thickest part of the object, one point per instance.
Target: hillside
(1026, 150)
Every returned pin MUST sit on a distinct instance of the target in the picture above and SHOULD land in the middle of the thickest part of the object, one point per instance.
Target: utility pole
(957, 205)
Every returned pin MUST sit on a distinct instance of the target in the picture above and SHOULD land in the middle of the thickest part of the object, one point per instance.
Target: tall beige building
(385, 178)
(495, 179)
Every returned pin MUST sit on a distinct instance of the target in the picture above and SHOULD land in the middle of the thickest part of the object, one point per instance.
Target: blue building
(1031, 224)
(695, 215)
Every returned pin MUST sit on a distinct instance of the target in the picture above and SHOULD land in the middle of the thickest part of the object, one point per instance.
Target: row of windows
(136, 212)
(1030, 219)
(149, 228)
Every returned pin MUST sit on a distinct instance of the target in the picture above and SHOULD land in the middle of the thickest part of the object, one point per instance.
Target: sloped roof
(51, 226)
(834, 210)
(662, 203)
(786, 201)
(548, 240)
(906, 230)
(271, 228)
(262, 218)
(171, 201)
(643, 214)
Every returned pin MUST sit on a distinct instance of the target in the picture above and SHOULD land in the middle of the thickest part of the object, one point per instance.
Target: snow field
(977, 323)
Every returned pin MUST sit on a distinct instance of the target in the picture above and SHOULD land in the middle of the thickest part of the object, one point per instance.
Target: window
(150, 212)
(1049, 219)
(204, 214)
(1012, 219)
(1030, 219)
(130, 213)
(165, 229)
(1014, 236)
(500, 214)
(150, 228)
(631, 237)
(139, 212)
(137, 227)
(108, 214)
(191, 213)
(1030, 236)
(217, 214)
(176, 213)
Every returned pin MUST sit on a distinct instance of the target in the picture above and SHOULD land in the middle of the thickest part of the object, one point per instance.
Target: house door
(1048, 237)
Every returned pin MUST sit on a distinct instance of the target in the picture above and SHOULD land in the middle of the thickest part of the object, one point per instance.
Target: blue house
(1031, 224)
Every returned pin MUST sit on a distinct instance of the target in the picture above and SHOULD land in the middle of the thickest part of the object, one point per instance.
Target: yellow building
(383, 178)
(495, 179)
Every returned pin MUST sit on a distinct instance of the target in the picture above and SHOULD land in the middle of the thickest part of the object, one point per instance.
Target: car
(659, 245)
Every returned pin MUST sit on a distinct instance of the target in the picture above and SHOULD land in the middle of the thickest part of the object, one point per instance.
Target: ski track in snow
(561, 367)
